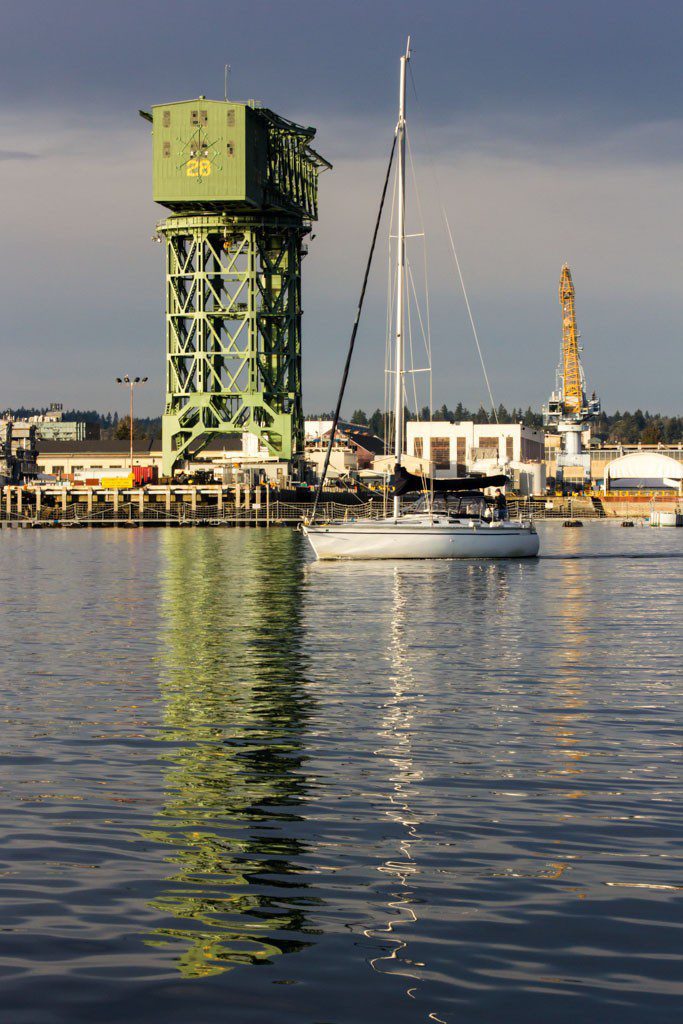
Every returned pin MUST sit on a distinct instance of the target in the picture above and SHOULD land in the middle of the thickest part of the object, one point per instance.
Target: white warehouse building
(644, 471)
(458, 449)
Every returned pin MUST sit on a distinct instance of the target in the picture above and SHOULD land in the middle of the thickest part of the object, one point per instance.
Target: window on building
(460, 455)
(440, 448)
(509, 448)
(532, 451)
(418, 447)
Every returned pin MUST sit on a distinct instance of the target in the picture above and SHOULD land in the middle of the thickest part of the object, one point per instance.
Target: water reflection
(397, 728)
(232, 678)
(572, 664)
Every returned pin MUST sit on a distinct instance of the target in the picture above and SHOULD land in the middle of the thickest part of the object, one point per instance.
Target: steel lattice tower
(242, 185)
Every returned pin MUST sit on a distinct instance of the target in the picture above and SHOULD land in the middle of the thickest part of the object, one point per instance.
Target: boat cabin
(457, 505)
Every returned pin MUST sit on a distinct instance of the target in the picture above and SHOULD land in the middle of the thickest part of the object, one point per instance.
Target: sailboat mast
(400, 268)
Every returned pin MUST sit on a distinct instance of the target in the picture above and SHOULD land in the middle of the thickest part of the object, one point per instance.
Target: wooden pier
(177, 505)
(216, 505)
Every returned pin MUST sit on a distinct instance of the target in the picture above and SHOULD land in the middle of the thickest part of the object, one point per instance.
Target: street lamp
(131, 382)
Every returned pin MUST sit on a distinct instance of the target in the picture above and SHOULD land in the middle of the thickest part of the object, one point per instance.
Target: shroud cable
(352, 341)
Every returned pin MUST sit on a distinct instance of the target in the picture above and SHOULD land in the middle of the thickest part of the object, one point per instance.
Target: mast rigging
(400, 268)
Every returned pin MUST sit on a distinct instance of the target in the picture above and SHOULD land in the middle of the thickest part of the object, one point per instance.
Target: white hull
(423, 537)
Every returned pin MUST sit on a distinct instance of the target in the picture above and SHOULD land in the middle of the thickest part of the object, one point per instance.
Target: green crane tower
(242, 185)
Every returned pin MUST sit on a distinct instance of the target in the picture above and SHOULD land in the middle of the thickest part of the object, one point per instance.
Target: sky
(547, 132)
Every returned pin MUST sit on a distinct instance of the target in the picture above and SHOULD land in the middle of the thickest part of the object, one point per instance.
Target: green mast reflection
(232, 678)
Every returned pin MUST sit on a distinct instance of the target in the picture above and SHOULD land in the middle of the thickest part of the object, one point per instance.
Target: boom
(573, 385)
(569, 409)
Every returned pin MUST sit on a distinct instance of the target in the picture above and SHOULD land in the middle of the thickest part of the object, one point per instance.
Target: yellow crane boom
(574, 398)
(568, 408)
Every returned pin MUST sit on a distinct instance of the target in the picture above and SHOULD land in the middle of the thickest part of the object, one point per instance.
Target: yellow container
(117, 481)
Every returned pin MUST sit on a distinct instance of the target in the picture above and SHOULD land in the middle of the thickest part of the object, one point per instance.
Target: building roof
(116, 446)
(360, 436)
(648, 465)
(227, 442)
(365, 439)
(111, 446)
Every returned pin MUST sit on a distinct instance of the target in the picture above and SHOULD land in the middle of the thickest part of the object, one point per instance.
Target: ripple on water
(421, 791)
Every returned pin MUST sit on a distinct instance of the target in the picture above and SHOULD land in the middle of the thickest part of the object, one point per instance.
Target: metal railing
(282, 513)
(182, 514)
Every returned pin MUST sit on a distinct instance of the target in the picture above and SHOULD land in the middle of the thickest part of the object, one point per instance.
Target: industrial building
(602, 456)
(51, 424)
(354, 450)
(223, 457)
(86, 459)
(17, 452)
(458, 449)
(644, 471)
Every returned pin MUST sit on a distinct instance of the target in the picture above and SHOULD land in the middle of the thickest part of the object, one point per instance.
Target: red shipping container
(144, 475)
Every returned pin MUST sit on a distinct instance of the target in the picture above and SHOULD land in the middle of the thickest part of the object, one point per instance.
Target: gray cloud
(17, 154)
(553, 139)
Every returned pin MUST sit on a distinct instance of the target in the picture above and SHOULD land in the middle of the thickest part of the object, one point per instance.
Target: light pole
(131, 382)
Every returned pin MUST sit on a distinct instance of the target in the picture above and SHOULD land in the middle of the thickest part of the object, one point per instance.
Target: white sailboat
(459, 529)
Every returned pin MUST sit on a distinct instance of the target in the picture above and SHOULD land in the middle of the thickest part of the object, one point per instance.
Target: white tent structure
(644, 471)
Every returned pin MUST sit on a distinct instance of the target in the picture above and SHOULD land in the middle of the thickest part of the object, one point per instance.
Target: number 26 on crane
(198, 168)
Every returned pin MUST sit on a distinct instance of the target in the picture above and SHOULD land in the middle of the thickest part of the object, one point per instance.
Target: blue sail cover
(405, 482)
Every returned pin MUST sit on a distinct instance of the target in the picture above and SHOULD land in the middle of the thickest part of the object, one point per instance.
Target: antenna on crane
(569, 409)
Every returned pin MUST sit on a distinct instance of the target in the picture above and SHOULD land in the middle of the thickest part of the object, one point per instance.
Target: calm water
(240, 787)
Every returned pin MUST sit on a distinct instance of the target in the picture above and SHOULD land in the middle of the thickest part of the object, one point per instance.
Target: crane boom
(569, 409)
(572, 377)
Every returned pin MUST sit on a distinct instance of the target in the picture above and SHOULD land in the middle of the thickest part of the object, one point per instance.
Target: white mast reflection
(396, 733)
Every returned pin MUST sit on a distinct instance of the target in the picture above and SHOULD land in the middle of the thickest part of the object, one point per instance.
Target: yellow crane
(574, 397)
(568, 408)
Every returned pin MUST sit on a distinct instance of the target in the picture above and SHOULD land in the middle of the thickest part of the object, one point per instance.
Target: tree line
(379, 422)
(616, 428)
(638, 427)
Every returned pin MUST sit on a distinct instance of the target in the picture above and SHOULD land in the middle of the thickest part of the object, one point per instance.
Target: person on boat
(500, 506)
